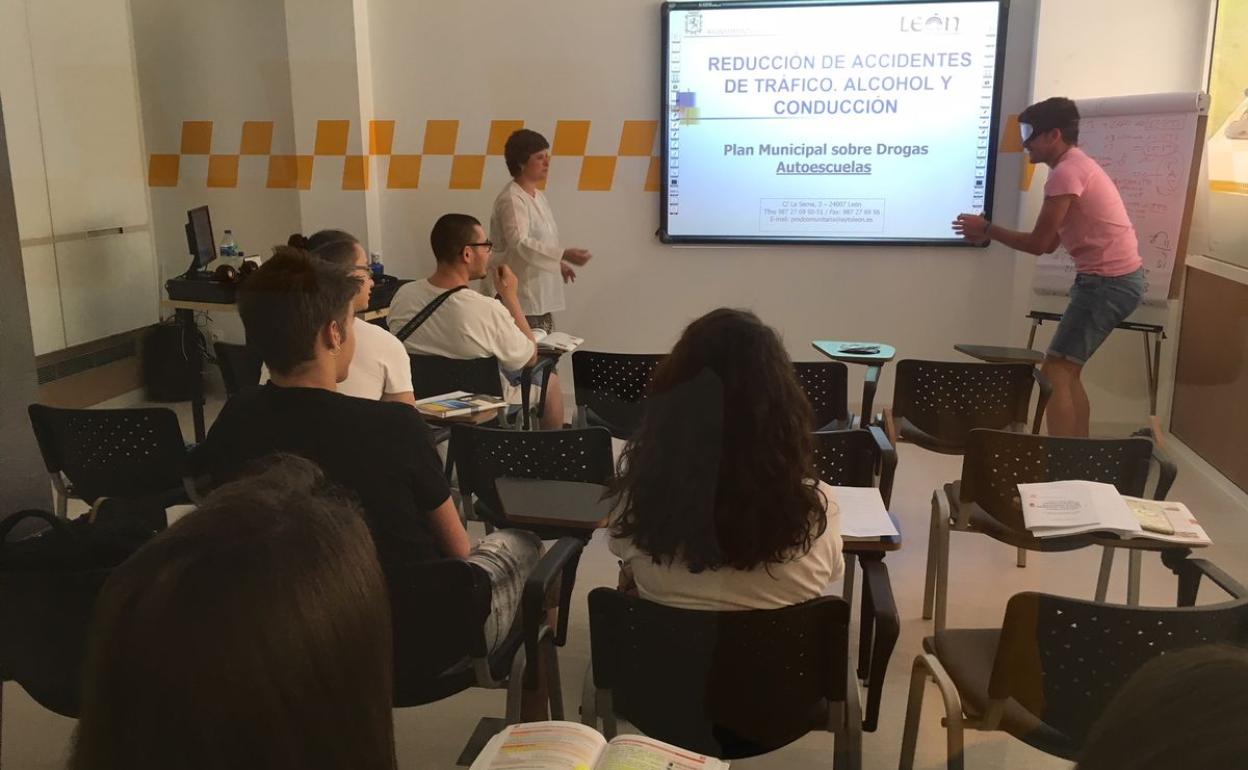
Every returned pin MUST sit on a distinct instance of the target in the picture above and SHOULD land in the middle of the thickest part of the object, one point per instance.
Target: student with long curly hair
(719, 505)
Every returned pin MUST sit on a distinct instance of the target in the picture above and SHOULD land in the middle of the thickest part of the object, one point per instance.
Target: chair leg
(553, 684)
(1107, 567)
(515, 689)
(914, 709)
(929, 586)
(942, 573)
(1022, 557)
(606, 711)
(923, 666)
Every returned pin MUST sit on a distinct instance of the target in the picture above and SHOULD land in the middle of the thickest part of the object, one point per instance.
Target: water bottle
(374, 263)
(228, 247)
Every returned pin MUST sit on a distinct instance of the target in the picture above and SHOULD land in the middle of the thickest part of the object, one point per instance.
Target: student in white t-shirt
(719, 506)
(380, 370)
(468, 324)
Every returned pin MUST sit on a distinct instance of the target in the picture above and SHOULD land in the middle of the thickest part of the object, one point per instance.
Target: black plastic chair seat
(984, 523)
(916, 435)
(968, 656)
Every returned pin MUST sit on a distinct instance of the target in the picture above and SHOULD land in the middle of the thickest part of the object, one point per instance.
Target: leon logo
(934, 23)
(693, 22)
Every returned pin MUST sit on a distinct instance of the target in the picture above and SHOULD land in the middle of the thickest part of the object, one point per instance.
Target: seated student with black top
(297, 313)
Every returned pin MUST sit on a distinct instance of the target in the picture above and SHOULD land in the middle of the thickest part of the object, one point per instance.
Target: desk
(184, 311)
(574, 505)
(994, 354)
(873, 361)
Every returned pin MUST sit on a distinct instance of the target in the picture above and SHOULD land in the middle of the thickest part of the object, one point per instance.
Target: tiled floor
(983, 578)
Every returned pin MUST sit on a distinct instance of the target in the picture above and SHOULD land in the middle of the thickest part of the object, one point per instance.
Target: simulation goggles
(1027, 130)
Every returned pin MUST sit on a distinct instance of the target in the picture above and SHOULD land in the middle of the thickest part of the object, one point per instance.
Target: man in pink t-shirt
(1083, 212)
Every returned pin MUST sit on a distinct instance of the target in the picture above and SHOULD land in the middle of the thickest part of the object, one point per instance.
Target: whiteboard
(1147, 144)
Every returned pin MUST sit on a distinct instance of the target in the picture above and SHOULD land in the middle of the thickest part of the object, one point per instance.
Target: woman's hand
(569, 275)
(577, 257)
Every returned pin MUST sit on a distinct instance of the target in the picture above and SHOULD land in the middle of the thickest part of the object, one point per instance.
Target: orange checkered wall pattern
(402, 171)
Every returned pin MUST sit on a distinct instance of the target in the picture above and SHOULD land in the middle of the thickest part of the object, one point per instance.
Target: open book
(556, 342)
(571, 746)
(1058, 508)
(458, 404)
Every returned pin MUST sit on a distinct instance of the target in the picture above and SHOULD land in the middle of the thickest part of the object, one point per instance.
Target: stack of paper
(1059, 508)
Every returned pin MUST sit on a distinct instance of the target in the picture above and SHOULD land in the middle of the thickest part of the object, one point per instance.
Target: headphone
(232, 275)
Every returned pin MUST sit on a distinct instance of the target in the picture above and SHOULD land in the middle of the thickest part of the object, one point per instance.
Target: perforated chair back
(484, 455)
(611, 388)
(240, 366)
(997, 461)
(938, 403)
(111, 452)
(846, 458)
(729, 684)
(44, 623)
(826, 384)
(437, 611)
(435, 375)
(1064, 659)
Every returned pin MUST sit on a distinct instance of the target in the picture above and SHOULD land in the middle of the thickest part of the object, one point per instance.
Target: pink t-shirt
(1097, 231)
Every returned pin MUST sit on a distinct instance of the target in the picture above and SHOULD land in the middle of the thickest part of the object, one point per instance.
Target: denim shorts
(1098, 303)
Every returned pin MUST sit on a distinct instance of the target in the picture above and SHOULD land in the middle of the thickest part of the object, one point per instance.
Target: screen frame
(199, 249)
(664, 236)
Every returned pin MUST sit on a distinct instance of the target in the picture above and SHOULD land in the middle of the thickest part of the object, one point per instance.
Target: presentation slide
(862, 123)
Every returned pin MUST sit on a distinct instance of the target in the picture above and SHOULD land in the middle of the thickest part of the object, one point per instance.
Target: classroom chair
(864, 458)
(484, 455)
(1049, 672)
(728, 684)
(440, 649)
(985, 500)
(436, 375)
(826, 384)
(91, 454)
(611, 388)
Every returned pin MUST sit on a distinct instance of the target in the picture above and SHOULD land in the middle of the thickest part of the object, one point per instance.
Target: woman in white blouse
(524, 234)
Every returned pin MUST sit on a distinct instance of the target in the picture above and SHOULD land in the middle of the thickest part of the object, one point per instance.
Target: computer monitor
(199, 239)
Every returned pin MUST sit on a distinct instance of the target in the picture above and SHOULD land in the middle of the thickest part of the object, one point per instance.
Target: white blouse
(526, 239)
(765, 587)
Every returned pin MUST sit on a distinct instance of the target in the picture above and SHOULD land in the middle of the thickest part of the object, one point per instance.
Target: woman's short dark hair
(721, 471)
(1055, 112)
(520, 145)
(1183, 709)
(254, 632)
(287, 301)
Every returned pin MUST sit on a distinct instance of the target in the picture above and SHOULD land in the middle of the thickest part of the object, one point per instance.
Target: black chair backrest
(483, 455)
(240, 366)
(111, 452)
(613, 387)
(846, 458)
(435, 375)
(997, 461)
(1064, 659)
(729, 684)
(947, 399)
(827, 388)
(44, 623)
(437, 610)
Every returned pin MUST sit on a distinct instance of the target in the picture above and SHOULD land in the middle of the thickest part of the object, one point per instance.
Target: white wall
(227, 62)
(476, 60)
(1112, 48)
